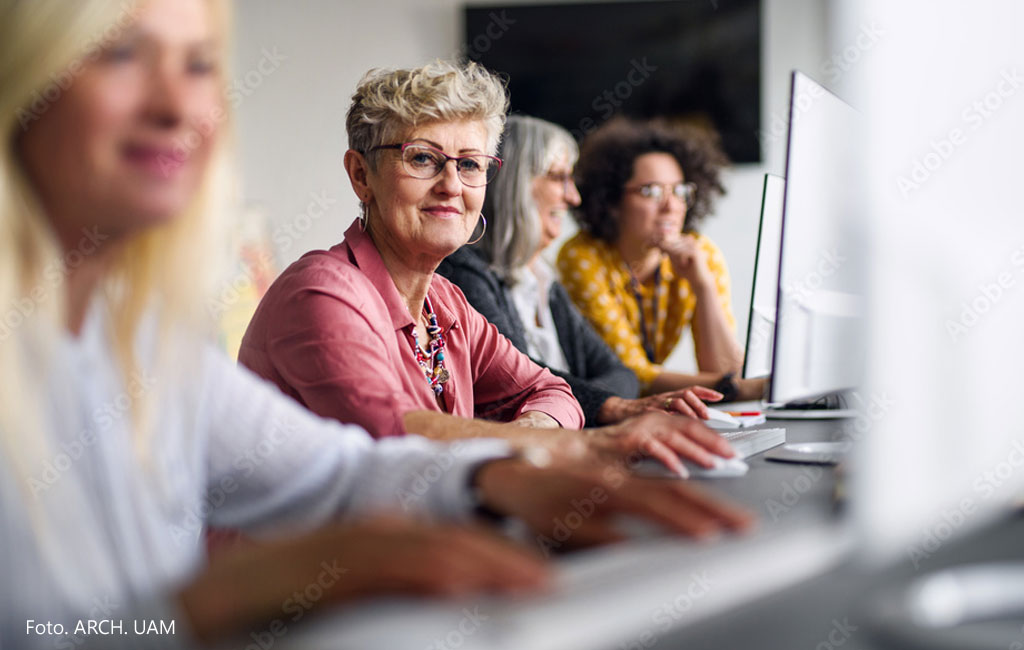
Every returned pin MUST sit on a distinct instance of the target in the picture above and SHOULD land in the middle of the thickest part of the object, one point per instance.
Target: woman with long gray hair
(367, 332)
(124, 435)
(506, 279)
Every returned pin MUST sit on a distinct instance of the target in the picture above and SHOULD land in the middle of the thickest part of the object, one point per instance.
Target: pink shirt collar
(364, 254)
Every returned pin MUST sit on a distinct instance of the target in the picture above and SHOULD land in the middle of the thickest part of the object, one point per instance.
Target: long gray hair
(529, 146)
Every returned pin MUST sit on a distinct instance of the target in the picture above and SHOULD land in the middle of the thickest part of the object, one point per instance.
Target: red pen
(739, 414)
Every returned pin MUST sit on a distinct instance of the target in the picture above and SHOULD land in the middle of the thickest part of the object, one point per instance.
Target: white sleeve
(274, 464)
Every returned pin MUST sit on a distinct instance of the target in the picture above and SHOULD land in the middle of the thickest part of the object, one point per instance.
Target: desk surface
(835, 609)
(608, 590)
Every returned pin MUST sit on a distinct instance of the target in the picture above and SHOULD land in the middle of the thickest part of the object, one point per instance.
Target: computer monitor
(940, 192)
(757, 358)
(819, 327)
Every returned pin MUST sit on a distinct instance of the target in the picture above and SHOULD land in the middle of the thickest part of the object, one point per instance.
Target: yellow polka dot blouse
(598, 281)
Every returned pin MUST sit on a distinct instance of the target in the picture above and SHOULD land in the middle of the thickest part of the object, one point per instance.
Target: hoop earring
(484, 219)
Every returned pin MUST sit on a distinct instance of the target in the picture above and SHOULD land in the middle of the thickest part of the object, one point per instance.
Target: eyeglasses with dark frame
(425, 162)
(660, 191)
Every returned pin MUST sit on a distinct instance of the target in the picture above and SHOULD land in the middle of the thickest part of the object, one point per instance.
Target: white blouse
(530, 296)
(97, 529)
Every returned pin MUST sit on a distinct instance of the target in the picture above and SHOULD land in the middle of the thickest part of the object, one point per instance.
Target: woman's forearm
(536, 420)
(669, 381)
(716, 347)
(442, 426)
(230, 595)
(748, 389)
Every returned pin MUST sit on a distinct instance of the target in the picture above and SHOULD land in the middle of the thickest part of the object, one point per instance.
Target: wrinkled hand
(688, 401)
(399, 556)
(663, 437)
(562, 444)
(578, 505)
(340, 563)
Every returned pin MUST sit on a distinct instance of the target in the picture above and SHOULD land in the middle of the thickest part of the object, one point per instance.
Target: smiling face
(644, 220)
(422, 221)
(125, 147)
(554, 193)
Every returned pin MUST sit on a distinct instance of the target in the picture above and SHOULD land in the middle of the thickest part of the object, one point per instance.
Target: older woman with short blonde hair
(123, 435)
(366, 332)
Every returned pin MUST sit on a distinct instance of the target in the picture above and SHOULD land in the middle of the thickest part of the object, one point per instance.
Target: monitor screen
(757, 359)
(819, 331)
(942, 450)
(577, 64)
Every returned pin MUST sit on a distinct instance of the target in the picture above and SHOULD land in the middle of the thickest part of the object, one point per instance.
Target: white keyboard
(750, 442)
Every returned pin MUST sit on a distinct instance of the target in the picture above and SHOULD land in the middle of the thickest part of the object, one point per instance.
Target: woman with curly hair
(506, 278)
(639, 269)
(368, 333)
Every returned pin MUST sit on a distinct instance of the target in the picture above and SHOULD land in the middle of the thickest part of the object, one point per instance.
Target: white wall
(292, 110)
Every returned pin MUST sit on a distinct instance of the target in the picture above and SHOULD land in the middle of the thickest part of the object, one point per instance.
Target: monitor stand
(827, 407)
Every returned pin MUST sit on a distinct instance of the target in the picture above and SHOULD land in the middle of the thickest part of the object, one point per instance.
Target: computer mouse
(724, 468)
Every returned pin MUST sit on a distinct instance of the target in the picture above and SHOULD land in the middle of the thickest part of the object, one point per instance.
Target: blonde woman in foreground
(123, 437)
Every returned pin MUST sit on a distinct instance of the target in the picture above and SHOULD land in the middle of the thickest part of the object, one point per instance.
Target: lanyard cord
(649, 334)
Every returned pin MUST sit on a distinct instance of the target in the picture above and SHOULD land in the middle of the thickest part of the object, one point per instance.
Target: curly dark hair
(606, 163)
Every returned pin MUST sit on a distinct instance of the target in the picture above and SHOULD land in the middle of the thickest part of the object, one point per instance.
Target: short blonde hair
(388, 101)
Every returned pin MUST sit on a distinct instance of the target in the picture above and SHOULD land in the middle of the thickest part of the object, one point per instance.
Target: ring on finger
(668, 404)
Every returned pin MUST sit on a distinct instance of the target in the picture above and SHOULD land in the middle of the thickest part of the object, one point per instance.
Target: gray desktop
(911, 544)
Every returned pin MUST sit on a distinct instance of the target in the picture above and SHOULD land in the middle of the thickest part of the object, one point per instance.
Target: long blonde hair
(164, 272)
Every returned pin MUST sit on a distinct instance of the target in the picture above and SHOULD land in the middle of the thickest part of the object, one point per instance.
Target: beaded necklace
(431, 360)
